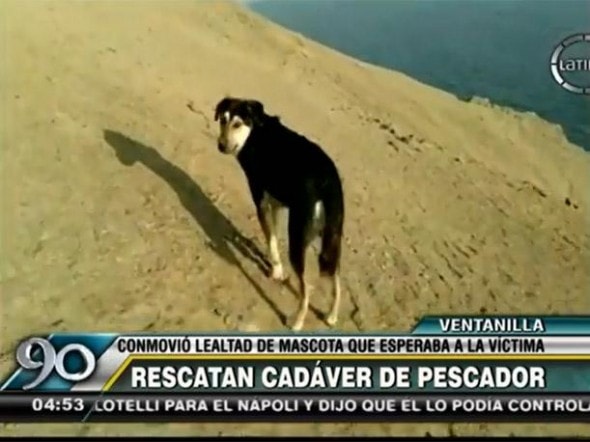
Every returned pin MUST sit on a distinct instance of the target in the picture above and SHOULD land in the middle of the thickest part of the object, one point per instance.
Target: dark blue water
(497, 49)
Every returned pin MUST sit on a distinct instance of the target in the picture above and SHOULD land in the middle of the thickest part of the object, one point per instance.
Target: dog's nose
(221, 147)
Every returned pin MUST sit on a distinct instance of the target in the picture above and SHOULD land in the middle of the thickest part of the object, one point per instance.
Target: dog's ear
(255, 110)
(221, 107)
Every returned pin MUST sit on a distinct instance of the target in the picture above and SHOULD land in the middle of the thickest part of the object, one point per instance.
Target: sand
(119, 214)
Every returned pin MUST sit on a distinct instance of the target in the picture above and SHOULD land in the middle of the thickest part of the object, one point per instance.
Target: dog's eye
(236, 124)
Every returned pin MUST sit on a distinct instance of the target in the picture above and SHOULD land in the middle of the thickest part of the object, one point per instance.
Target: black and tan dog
(286, 170)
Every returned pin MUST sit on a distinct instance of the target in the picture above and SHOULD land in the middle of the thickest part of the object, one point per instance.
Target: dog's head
(237, 117)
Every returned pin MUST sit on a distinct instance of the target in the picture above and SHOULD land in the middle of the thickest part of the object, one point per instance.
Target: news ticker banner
(273, 407)
(445, 369)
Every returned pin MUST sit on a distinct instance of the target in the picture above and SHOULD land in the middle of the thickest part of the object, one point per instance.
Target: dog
(286, 170)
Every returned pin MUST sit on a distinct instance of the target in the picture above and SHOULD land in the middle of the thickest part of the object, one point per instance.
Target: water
(497, 49)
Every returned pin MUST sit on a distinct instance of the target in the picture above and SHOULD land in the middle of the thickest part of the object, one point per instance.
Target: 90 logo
(51, 360)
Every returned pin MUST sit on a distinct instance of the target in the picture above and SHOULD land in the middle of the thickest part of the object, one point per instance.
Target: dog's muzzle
(222, 147)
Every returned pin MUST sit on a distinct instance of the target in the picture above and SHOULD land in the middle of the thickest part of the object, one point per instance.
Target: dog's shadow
(224, 236)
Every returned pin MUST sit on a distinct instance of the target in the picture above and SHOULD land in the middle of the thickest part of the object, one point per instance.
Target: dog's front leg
(268, 217)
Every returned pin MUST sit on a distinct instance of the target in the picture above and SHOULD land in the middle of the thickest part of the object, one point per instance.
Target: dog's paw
(278, 273)
(332, 319)
(296, 324)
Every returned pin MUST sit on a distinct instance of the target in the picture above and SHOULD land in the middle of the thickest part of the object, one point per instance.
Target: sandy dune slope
(120, 215)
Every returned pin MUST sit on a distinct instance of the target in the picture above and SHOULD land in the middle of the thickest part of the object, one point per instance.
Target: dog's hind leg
(329, 259)
(300, 236)
(268, 217)
(332, 317)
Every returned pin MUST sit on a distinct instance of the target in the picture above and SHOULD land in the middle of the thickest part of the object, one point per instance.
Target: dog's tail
(329, 259)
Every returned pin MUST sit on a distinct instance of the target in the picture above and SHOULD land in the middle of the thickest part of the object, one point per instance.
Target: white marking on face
(234, 133)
